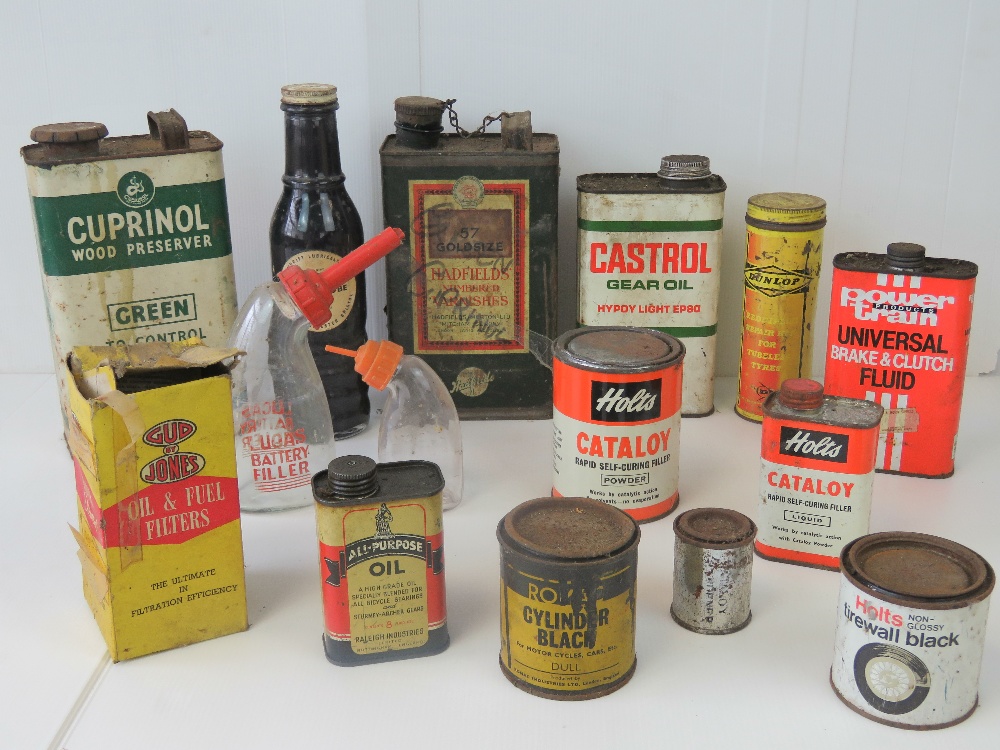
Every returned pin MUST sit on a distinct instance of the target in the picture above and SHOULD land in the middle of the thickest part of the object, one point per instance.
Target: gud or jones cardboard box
(151, 433)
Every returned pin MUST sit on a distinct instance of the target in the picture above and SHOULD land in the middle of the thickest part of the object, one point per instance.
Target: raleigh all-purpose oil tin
(133, 234)
(567, 600)
(650, 255)
(381, 550)
(713, 564)
(784, 252)
(899, 336)
(616, 418)
(478, 267)
(911, 626)
(817, 463)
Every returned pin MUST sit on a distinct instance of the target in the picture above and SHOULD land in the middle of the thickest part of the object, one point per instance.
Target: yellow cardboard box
(151, 434)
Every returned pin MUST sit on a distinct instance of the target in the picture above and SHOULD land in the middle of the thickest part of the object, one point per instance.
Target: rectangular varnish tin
(616, 418)
(899, 336)
(911, 627)
(567, 601)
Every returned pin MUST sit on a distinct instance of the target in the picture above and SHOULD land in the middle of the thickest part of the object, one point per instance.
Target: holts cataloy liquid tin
(817, 464)
(650, 255)
(911, 627)
(616, 418)
(381, 560)
(567, 601)
(784, 253)
(899, 336)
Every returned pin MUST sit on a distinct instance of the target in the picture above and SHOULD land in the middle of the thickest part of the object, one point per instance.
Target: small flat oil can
(817, 463)
(650, 255)
(899, 336)
(477, 269)
(784, 254)
(911, 628)
(133, 235)
(567, 600)
(381, 548)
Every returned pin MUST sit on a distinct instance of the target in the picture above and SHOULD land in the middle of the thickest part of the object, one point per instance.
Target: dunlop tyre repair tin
(713, 564)
(784, 253)
(381, 549)
(911, 627)
(616, 418)
(567, 605)
(899, 336)
(817, 466)
(650, 254)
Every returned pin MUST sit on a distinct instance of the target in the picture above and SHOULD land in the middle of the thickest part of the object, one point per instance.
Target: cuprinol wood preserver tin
(381, 549)
(567, 600)
(910, 629)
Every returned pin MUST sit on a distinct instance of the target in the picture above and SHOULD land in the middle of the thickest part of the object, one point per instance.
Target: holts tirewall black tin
(567, 603)
(911, 627)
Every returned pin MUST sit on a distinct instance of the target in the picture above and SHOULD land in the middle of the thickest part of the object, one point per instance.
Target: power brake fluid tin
(817, 463)
(616, 418)
(784, 252)
(650, 254)
(910, 629)
(567, 600)
(899, 336)
(381, 560)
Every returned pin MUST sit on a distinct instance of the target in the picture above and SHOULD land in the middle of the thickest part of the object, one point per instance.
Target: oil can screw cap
(352, 476)
(906, 254)
(69, 132)
(419, 110)
(308, 94)
(684, 167)
(801, 393)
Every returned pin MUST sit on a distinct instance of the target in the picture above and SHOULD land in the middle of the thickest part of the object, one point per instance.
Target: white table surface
(271, 687)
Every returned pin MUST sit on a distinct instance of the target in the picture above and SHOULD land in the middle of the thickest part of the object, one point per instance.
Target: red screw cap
(801, 393)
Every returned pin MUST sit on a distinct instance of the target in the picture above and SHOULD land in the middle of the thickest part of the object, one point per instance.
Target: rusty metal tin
(911, 628)
(616, 418)
(713, 563)
(567, 601)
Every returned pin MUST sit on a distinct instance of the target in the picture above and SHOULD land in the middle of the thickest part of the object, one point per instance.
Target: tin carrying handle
(169, 128)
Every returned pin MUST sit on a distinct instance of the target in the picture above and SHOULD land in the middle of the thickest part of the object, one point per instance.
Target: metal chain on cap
(462, 132)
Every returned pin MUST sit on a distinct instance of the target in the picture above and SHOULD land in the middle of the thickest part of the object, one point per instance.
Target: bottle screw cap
(375, 361)
(801, 393)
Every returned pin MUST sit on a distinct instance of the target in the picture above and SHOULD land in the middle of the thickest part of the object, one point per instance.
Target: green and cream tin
(133, 234)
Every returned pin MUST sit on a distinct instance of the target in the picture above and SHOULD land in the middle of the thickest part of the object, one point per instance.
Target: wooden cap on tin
(786, 208)
(69, 132)
(569, 528)
(918, 568)
(715, 528)
(419, 110)
(308, 93)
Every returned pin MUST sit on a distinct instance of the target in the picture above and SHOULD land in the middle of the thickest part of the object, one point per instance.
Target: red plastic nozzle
(312, 292)
(375, 361)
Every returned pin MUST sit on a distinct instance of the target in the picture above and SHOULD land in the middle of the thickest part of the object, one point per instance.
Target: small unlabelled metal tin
(567, 602)
(911, 627)
(713, 562)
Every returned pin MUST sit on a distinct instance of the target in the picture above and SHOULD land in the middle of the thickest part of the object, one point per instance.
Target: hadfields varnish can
(899, 336)
(911, 627)
(616, 418)
(567, 600)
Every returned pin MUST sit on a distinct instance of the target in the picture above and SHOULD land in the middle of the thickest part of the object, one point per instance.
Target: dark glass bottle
(315, 224)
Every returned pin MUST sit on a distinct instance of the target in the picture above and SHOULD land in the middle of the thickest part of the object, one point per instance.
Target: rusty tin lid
(714, 528)
(835, 411)
(917, 570)
(786, 208)
(568, 529)
(618, 349)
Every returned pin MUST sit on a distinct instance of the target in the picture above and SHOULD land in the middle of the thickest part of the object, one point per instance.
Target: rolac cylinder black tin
(567, 606)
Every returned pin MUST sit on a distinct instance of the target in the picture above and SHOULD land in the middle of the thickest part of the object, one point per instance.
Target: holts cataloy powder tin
(713, 563)
(381, 559)
(567, 601)
(899, 336)
(817, 466)
(911, 627)
(784, 253)
(616, 418)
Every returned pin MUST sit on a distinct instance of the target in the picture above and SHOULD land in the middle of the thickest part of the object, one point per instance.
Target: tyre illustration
(890, 679)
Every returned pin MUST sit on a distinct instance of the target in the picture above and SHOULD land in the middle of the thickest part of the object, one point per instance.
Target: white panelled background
(890, 110)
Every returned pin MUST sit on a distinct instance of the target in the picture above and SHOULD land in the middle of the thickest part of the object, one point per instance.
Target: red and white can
(817, 463)
(616, 418)
(899, 336)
